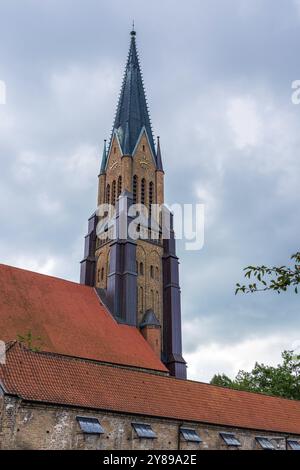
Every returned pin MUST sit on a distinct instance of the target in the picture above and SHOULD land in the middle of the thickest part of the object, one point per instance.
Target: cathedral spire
(158, 156)
(133, 28)
(132, 111)
(137, 277)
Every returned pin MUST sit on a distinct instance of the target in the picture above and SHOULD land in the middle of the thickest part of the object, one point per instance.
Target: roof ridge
(150, 372)
(67, 357)
(32, 377)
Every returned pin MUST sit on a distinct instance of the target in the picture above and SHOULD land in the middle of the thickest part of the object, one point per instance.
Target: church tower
(136, 277)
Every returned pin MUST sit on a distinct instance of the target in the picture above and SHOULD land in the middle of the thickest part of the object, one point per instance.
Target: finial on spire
(104, 159)
(158, 155)
(133, 32)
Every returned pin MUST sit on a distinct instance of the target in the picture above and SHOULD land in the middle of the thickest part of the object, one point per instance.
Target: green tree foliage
(278, 279)
(282, 381)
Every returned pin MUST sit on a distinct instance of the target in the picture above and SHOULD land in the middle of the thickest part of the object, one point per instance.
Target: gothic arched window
(157, 302)
(141, 302)
(102, 274)
(152, 299)
(113, 195)
(143, 188)
(108, 194)
(134, 188)
(157, 273)
(119, 185)
(151, 272)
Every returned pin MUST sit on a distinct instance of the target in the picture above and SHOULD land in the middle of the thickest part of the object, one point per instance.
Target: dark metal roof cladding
(149, 319)
(104, 159)
(132, 111)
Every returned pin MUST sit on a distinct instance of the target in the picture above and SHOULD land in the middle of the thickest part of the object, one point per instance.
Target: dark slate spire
(149, 319)
(132, 111)
(158, 156)
(104, 159)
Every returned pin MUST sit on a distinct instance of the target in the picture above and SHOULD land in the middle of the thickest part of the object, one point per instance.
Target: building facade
(30, 426)
(137, 278)
(53, 401)
(98, 365)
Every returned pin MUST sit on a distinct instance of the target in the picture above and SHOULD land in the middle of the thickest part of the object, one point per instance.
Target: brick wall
(149, 281)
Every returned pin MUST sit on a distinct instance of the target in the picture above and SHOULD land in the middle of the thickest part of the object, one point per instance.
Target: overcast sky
(218, 77)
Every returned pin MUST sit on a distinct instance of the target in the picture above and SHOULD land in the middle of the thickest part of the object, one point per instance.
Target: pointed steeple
(132, 111)
(104, 159)
(158, 156)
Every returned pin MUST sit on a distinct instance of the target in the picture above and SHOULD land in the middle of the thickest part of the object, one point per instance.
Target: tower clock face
(114, 165)
(144, 162)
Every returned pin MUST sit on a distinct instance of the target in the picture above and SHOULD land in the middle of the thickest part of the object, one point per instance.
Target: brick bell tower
(137, 278)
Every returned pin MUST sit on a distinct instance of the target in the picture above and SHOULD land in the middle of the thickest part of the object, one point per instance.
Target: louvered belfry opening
(131, 172)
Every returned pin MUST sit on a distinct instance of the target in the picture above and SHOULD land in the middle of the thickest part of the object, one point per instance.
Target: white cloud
(206, 196)
(81, 167)
(25, 166)
(2, 92)
(42, 265)
(7, 124)
(76, 88)
(297, 6)
(48, 205)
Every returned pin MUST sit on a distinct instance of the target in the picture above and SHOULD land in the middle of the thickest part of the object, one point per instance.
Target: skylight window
(230, 439)
(190, 435)
(294, 445)
(265, 443)
(90, 425)
(144, 431)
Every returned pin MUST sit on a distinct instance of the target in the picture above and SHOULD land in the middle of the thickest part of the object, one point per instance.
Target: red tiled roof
(63, 380)
(69, 318)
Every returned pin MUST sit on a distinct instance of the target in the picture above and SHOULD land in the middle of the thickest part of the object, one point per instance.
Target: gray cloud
(218, 77)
